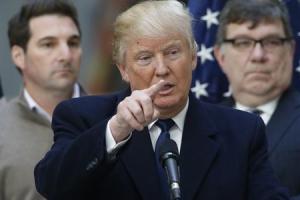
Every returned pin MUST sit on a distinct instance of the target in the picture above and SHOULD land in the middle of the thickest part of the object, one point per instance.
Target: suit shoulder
(225, 111)
(231, 118)
(88, 107)
(13, 107)
(90, 101)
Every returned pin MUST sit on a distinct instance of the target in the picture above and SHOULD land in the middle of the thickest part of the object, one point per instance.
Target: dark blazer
(223, 156)
(283, 135)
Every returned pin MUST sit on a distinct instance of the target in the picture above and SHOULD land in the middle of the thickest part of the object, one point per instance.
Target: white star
(200, 89)
(299, 34)
(210, 18)
(205, 54)
(228, 93)
(298, 68)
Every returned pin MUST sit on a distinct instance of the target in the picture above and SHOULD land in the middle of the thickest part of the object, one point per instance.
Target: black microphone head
(168, 149)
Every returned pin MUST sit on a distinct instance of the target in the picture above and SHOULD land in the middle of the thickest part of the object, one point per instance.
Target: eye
(47, 44)
(74, 43)
(272, 42)
(173, 53)
(144, 59)
(242, 43)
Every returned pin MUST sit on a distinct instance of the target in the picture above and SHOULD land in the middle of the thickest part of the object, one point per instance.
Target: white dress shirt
(34, 106)
(175, 132)
(267, 109)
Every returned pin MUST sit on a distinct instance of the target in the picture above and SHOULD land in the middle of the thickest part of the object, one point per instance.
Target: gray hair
(254, 11)
(151, 19)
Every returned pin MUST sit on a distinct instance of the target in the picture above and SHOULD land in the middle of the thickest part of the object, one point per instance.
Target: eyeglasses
(270, 44)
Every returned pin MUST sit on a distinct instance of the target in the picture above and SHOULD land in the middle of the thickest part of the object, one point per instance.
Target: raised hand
(135, 111)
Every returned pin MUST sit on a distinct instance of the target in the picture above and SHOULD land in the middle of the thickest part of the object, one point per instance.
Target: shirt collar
(76, 91)
(178, 119)
(34, 106)
(267, 108)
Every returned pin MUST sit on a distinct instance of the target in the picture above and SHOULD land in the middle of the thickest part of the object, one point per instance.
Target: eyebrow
(264, 36)
(171, 44)
(74, 36)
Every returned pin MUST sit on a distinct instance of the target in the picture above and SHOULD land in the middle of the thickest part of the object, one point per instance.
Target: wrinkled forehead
(52, 23)
(157, 43)
(265, 27)
(53, 26)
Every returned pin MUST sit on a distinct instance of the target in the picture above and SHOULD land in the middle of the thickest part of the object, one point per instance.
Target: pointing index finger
(154, 89)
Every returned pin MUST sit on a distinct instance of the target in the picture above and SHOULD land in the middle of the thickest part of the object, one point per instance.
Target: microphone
(169, 158)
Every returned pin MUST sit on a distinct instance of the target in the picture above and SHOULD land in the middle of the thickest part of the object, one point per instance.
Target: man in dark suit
(255, 49)
(105, 146)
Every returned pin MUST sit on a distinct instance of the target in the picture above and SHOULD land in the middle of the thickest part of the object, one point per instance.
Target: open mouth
(166, 89)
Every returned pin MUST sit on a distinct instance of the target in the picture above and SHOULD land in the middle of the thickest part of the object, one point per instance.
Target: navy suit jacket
(283, 136)
(223, 156)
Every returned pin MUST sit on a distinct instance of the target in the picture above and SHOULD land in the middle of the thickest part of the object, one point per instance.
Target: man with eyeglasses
(255, 50)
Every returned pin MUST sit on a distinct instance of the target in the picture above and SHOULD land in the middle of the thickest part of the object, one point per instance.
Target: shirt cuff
(111, 145)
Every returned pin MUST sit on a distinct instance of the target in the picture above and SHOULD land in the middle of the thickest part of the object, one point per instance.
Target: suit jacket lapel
(284, 115)
(281, 118)
(139, 160)
(198, 150)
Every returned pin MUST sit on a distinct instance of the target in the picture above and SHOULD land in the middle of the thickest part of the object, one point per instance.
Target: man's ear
(194, 60)
(123, 70)
(18, 56)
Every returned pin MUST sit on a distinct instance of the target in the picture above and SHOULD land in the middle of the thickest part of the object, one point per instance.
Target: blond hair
(151, 19)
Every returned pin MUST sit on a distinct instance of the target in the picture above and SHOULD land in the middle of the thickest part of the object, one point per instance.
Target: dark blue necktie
(164, 125)
(257, 112)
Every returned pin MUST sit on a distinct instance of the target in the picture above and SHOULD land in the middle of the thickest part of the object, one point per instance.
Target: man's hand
(135, 112)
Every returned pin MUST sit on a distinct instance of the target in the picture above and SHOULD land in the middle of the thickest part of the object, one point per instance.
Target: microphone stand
(169, 158)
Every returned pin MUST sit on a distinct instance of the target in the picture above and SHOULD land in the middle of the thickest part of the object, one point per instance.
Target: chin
(259, 90)
(64, 83)
(167, 102)
(163, 102)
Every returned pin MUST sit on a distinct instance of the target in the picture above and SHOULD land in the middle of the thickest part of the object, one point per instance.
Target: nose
(161, 66)
(258, 53)
(64, 52)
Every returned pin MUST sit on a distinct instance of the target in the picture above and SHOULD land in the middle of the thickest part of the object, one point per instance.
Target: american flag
(209, 82)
